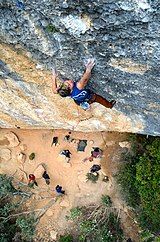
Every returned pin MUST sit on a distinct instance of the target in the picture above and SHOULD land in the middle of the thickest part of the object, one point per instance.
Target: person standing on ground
(46, 177)
(32, 181)
(78, 91)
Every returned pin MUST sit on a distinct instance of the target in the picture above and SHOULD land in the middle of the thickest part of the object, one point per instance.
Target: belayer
(78, 91)
(32, 181)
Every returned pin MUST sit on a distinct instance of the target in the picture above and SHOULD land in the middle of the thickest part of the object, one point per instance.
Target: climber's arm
(84, 79)
(54, 84)
(86, 76)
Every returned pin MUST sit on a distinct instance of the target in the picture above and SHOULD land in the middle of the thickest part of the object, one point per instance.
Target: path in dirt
(72, 176)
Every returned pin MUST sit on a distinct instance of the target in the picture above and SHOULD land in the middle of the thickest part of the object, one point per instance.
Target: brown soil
(72, 176)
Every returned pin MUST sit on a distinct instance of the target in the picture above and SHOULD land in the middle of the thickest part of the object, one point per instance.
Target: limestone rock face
(122, 36)
(5, 154)
(13, 139)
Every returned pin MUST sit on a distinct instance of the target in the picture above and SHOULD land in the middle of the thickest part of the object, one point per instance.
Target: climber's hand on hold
(54, 84)
(54, 73)
(85, 78)
(90, 64)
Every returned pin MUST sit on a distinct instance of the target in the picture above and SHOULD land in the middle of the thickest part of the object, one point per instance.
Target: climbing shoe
(113, 102)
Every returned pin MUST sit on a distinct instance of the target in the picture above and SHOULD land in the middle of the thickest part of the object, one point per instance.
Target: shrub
(147, 236)
(147, 184)
(66, 238)
(51, 28)
(6, 186)
(75, 213)
(127, 179)
(139, 179)
(110, 231)
(106, 228)
(92, 177)
(86, 227)
(27, 226)
(32, 156)
(106, 200)
(98, 222)
(10, 206)
(7, 208)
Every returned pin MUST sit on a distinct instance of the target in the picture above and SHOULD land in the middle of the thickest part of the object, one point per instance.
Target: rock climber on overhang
(78, 91)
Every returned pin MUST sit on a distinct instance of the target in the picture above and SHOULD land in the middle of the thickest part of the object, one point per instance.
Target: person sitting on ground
(78, 91)
(67, 154)
(68, 137)
(32, 181)
(95, 153)
(59, 190)
(95, 168)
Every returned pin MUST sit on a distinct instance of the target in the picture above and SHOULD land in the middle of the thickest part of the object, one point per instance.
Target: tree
(14, 222)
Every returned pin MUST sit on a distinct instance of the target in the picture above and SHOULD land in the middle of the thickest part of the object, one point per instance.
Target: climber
(78, 91)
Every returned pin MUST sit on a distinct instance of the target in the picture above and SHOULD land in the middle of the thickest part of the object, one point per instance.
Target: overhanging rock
(122, 36)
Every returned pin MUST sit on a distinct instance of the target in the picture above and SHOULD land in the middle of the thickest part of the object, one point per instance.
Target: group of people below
(95, 153)
(32, 181)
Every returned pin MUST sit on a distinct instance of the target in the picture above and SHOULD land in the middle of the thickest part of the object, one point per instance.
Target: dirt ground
(71, 176)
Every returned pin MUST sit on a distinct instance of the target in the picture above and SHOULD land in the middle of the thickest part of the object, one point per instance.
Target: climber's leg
(99, 99)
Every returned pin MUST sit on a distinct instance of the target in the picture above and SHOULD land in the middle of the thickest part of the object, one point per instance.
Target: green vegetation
(86, 228)
(106, 200)
(140, 179)
(75, 213)
(98, 221)
(26, 225)
(14, 224)
(92, 177)
(51, 28)
(32, 156)
(147, 236)
(6, 187)
(66, 238)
